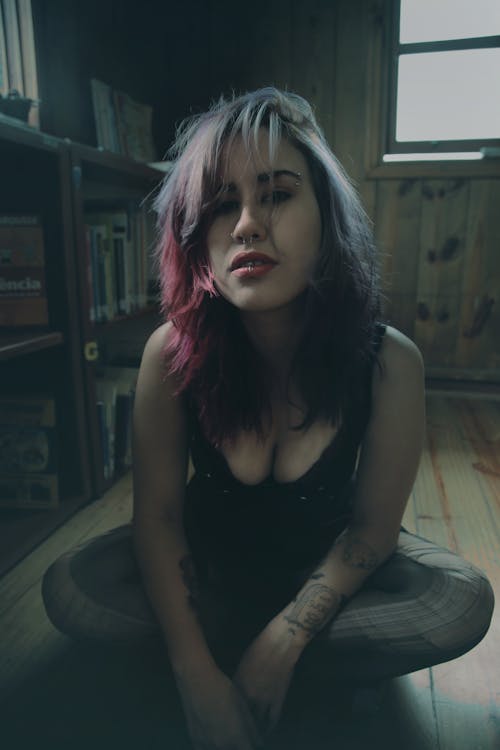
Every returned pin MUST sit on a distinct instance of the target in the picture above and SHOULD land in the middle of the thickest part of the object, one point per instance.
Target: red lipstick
(251, 265)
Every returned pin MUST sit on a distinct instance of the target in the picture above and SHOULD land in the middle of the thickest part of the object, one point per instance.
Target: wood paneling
(313, 58)
(397, 229)
(442, 230)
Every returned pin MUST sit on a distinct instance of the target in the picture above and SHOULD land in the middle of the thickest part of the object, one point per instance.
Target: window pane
(448, 96)
(432, 20)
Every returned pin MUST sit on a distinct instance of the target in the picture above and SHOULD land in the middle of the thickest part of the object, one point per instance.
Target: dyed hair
(209, 352)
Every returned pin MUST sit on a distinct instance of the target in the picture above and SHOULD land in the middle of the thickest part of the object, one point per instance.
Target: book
(117, 267)
(105, 117)
(13, 39)
(134, 121)
(124, 381)
(106, 409)
(28, 51)
(102, 267)
(4, 68)
(124, 271)
(28, 452)
(23, 293)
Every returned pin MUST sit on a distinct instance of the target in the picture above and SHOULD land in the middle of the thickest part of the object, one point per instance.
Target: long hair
(209, 351)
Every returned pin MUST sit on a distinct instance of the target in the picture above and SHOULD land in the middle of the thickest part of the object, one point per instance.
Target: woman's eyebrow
(268, 176)
(265, 177)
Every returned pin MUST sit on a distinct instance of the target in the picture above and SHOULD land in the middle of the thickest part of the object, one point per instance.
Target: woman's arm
(160, 472)
(387, 468)
(216, 712)
(388, 465)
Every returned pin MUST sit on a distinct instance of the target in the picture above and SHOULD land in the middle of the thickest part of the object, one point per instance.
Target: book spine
(119, 252)
(96, 104)
(109, 268)
(101, 261)
(13, 39)
(4, 68)
(90, 276)
(30, 76)
(96, 286)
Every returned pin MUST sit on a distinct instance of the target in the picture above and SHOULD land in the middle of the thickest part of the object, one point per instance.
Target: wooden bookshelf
(60, 181)
(16, 344)
(35, 179)
(103, 182)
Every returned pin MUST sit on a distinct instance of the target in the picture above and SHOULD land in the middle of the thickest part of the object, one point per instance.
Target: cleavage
(284, 455)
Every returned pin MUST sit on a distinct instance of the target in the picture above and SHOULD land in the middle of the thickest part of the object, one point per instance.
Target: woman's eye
(226, 207)
(276, 197)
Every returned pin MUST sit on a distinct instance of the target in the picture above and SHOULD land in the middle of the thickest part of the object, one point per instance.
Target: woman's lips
(249, 257)
(253, 270)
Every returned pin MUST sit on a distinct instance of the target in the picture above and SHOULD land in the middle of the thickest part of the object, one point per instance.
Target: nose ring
(244, 240)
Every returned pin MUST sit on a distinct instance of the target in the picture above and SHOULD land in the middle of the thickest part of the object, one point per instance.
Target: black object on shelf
(15, 105)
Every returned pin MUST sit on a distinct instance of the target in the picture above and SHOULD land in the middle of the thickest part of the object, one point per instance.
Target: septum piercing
(244, 240)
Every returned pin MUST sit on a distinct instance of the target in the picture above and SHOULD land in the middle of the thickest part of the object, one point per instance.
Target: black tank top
(273, 528)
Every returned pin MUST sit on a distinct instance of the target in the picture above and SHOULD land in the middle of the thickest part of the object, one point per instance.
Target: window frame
(384, 51)
(399, 49)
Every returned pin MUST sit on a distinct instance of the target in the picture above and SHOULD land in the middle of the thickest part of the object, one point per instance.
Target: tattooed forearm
(356, 553)
(312, 608)
(190, 579)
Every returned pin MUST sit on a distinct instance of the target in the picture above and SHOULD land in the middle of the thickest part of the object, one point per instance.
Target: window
(444, 80)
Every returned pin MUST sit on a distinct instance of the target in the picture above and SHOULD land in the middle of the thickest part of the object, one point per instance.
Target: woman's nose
(251, 224)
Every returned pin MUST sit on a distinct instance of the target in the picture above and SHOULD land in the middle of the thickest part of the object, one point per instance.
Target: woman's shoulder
(399, 357)
(158, 340)
(154, 370)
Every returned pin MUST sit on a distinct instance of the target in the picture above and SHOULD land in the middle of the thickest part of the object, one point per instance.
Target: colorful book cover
(28, 452)
(23, 294)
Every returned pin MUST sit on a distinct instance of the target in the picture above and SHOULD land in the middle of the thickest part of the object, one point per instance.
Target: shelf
(101, 164)
(15, 131)
(137, 315)
(15, 344)
(23, 530)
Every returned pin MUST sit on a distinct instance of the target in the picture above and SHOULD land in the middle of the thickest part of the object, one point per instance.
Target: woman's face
(264, 238)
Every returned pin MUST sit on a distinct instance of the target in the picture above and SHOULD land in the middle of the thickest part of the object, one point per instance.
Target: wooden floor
(59, 694)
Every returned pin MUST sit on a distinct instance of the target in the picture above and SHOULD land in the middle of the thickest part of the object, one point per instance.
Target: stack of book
(122, 124)
(28, 454)
(119, 263)
(115, 390)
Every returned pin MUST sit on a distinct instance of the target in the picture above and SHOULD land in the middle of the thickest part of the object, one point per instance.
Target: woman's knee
(463, 603)
(95, 591)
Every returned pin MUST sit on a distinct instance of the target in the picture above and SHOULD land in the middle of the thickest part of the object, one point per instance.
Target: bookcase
(105, 185)
(62, 182)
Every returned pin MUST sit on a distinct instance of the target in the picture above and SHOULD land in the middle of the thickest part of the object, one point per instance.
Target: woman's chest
(284, 453)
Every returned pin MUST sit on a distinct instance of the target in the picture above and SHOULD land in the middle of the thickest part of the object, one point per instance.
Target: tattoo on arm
(313, 607)
(356, 553)
(190, 579)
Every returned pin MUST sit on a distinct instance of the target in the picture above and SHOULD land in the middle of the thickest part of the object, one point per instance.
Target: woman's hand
(265, 672)
(217, 715)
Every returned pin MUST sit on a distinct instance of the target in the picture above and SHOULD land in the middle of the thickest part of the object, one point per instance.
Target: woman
(304, 417)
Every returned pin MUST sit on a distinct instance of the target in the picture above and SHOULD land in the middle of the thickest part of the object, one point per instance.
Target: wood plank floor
(58, 694)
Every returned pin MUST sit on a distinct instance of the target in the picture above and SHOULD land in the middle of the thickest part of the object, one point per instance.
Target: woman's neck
(275, 335)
